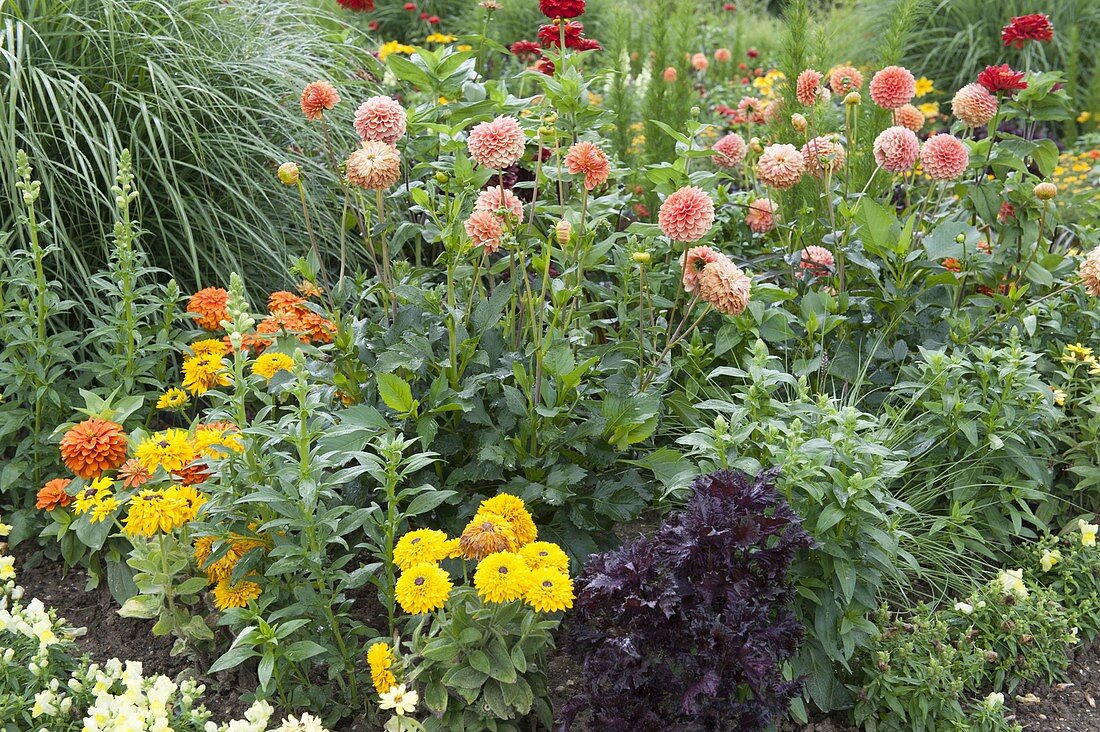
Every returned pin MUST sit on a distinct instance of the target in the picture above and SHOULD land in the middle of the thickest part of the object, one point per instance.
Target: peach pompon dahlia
(1089, 272)
(317, 97)
(485, 230)
(374, 166)
(686, 215)
(725, 286)
(823, 155)
(497, 199)
(892, 87)
(909, 116)
(497, 144)
(844, 79)
(92, 446)
(692, 263)
(588, 159)
(780, 166)
(808, 87)
(974, 105)
(944, 157)
(729, 151)
(380, 118)
(896, 149)
(761, 215)
(818, 261)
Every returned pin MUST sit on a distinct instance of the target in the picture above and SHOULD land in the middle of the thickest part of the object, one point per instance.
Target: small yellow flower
(1077, 353)
(7, 568)
(228, 595)
(104, 509)
(1049, 559)
(440, 38)
(929, 109)
(380, 659)
(1059, 396)
(464, 47)
(394, 47)
(1088, 532)
(271, 363)
(1084, 117)
(925, 86)
(173, 398)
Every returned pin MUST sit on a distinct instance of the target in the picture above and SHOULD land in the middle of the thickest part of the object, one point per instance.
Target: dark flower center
(548, 584)
(415, 541)
(163, 444)
(418, 581)
(503, 570)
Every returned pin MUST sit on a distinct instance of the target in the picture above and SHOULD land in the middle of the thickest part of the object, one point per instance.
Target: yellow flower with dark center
(152, 511)
(271, 363)
(170, 449)
(419, 547)
(515, 510)
(487, 534)
(104, 509)
(211, 437)
(222, 567)
(228, 595)
(502, 577)
(173, 398)
(209, 346)
(190, 498)
(549, 591)
(544, 554)
(380, 659)
(423, 588)
(204, 372)
(90, 495)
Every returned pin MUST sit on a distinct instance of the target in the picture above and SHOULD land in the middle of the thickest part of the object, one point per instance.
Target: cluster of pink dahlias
(716, 280)
(494, 209)
(818, 261)
(823, 155)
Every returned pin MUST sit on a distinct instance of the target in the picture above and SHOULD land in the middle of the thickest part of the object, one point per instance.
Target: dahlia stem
(387, 284)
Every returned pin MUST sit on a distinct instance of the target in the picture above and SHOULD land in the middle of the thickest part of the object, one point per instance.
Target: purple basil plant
(688, 629)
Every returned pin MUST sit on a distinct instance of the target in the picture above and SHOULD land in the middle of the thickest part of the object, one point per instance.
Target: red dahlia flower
(526, 50)
(365, 5)
(1001, 78)
(587, 44)
(545, 66)
(561, 8)
(1023, 28)
(550, 35)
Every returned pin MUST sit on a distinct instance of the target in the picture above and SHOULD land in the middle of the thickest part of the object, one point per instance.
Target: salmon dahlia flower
(909, 116)
(692, 262)
(944, 157)
(588, 159)
(1089, 272)
(317, 97)
(381, 119)
(808, 87)
(844, 79)
(374, 166)
(729, 151)
(974, 105)
(686, 215)
(497, 144)
(497, 199)
(896, 149)
(823, 155)
(761, 215)
(818, 261)
(723, 285)
(780, 166)
(892, 87)
(485, 230)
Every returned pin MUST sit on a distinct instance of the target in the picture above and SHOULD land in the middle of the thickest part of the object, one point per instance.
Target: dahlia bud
(641, 257)
(1045, 191)
(441, 177)
(798, 122)
(695, 112)
(563, 231)
(959, 239)
(853, 98)
(289, 174)
(754, 143)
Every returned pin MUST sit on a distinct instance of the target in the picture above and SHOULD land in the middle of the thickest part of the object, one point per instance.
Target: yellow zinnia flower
(924, 86)
(209, 346)
(440, 38)
(104, 509)
(549, 591)
(502, 577)
(420, 547)
(515, 510)
(380, 658)
(228, 596)
(173, 398)
(545, 554)
(152, 511)
(90, 495)
(271, 363)
(170, 449)
(204, 372)
(422, 588)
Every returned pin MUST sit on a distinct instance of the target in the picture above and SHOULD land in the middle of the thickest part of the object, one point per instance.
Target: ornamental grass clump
(690, 627)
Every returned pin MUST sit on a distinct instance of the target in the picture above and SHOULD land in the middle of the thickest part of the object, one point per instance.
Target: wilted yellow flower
(1076, 353)
(515, 511)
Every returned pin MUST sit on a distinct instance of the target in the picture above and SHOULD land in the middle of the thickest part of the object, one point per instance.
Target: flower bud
(289, 174)
(441, 177)
(563, 232)
(798, 122)
(695, 112)
(641, 257)
(1045, 191)
(755, 145)
(960, 238)
(853, 98)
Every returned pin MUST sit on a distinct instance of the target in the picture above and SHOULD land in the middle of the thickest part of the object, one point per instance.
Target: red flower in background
(364, 5)
(752, 53)
(373, 25)
(433, 20)
(410, 7)
(561, 8)
(730, 7)
(1023, 28)
(587, 44)
(526, 50)
(1001, 78)
(545, 66)
(550, 35)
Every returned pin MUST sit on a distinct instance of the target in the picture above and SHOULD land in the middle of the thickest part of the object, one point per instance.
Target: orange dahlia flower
(92, 446)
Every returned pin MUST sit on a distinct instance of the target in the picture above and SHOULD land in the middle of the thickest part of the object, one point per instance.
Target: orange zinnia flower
(53, 494)
(209, 305)
(133, 474)
(92, 446)
(283, 301)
